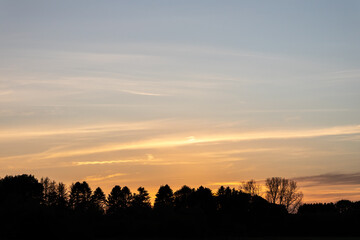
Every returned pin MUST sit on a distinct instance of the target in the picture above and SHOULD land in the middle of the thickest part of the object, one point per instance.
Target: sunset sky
(145, 93)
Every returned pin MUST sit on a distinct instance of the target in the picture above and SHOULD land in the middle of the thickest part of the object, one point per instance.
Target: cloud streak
(5, 93)
(169, 142)
(225, 184)
(143, 93)
(149, 160)
(331, 179)
(90, 129)
(98, 178)
(105, 162)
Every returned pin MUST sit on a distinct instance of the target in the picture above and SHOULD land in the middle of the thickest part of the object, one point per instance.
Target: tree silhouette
(344, 206)
(114, 200)
(62, 196)
(182, 198)
(29, 207)
(20, 189)
(20, 205)
(164, 198)
(49, 192)
(284, 192)
(125, 198)
(80, 196)
(273, 185)
(318, 209)
(54, 194)
(251, 187)
(225, 198)
(98, 200)
(204, 199)
(221, 191)
(141, 200)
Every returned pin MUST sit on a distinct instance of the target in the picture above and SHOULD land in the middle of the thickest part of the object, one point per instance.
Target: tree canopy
(26, 203)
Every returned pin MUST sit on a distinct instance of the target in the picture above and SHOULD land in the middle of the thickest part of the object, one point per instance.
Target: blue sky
(196, 92)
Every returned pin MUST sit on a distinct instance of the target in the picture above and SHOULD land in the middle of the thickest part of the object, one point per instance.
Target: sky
(147, 93)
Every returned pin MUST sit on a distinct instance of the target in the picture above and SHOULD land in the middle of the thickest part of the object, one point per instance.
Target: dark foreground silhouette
(47, 210)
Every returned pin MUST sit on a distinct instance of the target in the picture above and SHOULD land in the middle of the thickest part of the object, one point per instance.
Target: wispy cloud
(90, 129)
(6, 96)
(314, 110)
(144, 93)
(98, 178)
(333, 196)
(238, 151)
(106, 162)
(167, 142)
(4, 93)
(225, 184)
(148, 160)
(335, 193)
(342, 75)
(203, 50)
(331, 179)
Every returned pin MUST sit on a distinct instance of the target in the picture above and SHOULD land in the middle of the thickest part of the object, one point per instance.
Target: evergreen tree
(80, 196)
(98, 200)
(164, 198)
(114, 200)
(141, 200)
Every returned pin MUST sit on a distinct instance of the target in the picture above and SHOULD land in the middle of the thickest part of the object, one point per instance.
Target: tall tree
(114, 200)
(273, 189)
(164, 198)
(284, 192)
(183, 197)
(251, 187)
(20, 201)
(119, 199)
(20, 189)
(49, 192)
(141, 199)
(125, 198)
(224, 198)
(62, 195)
(204, 199)
(98, 200)
(80, 196)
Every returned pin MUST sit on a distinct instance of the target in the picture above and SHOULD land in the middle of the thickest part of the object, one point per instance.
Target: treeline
(47, 209)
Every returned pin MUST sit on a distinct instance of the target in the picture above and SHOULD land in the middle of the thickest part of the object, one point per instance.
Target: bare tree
(284, 192)
(250, 187)
(273, 185)
(292, 199)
